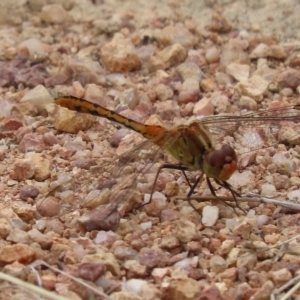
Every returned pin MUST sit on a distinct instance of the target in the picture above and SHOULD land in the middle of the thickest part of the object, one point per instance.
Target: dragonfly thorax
(220, 164)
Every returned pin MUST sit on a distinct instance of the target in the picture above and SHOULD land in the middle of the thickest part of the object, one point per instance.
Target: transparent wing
(256, 130)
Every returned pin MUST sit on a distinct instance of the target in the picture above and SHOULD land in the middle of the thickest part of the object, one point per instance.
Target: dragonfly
(195, 145)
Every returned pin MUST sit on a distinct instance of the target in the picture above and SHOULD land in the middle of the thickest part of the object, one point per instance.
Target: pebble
(220, 102)
(217, 264)
(90, 271)
(5, 228)
(135, 269)
(70, 121)
(186, 231)
(31, 142)
(17, 253)
(83, 70)
(238, 71)
(44, 240)
(243, 229)
(264, 292)
(129, 98)
(18, 236)
(210, 215)
(120, 56)
(248, 103)
(179, 34)
(204, 107)
(159, 274)
(219, 23)
(289, 78)
(167, 110)
(168, 57)
(282, 276)
(207, 85)
(54, 14)
(294, 195)
(189, 90)
(95, 94)
(125, 253)
(255, 87)
(38, 96)
(41, 165)
(152, 257)
(48, 207)
(267, 189)
(163, 92)
(181, 288)
(23, 169)
(249, 261)
(169, 241)
(226, 246)
(234, 52)
(187, 70)
(37, 50)
(104, 258)
(212, 54)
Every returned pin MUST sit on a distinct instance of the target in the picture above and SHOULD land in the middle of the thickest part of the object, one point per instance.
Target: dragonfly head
(220, 164)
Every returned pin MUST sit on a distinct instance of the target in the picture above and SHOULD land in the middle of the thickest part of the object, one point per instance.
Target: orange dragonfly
(194, 146)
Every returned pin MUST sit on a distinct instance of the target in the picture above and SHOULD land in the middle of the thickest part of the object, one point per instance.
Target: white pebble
(210, 215)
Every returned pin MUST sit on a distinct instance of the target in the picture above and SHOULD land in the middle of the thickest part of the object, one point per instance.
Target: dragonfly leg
(165, 166)
(227, 186)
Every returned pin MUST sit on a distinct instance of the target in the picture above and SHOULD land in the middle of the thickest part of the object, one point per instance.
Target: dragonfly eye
(218, 158)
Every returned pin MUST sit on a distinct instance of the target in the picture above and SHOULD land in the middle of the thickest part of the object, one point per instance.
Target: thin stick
(287, 204)
(30, 287)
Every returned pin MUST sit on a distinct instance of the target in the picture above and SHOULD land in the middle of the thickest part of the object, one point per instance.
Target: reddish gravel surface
(69, 223)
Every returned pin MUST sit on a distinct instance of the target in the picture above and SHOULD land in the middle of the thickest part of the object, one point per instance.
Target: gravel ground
(69, 223)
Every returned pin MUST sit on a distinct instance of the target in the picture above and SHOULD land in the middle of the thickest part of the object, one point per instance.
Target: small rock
(39, 96)
(12, 123)
(90, 271)
(168, 57)
(163, 92)
(186, 231)
(179, 34)
(135, 269)
(207, 85)
(210, 215)
(18, 236)
(238, 71)
(44, 240)
(169, 241)
(152, 257)
(125, 253)
(167, 110)
(5, 228)
(41, 165)
(48, 207)
(84, 163)
(212, 54)
(226, 246)
(182, 288)
(31, 142)
(203, 107)
(23, 169)
(54, 14)
(130, 98)
(49, 138)
(219, 23)
(103, 258)
(255, 87)
(104, 217)
(248, 261)
(95, 94)
(120, 56)
(19, 252)
(233, 52)
(70, 121)
(243, 229)
(37, 50)
(264, 292)
(158, 274)
(288, 78)
(189, 90)
(281, 276)
(248, 103)
(186, 70)
(217, 264)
